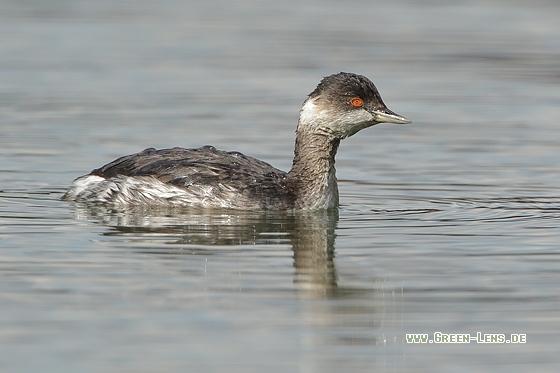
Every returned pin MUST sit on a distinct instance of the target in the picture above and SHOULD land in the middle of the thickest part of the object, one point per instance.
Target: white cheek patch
(358, 121)
(350, 123)
(311, 113)
(340, 125)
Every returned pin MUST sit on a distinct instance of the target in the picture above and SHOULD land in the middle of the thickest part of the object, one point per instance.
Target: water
(450, 224)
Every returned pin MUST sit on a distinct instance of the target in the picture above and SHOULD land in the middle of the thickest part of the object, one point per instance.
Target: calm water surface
(450, 224)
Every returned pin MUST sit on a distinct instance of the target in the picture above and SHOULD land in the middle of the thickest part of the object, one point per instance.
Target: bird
(341, 105)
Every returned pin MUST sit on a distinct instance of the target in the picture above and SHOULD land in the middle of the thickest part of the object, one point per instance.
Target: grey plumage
(208, 178)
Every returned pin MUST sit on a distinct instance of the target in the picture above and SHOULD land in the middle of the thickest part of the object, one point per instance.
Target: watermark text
(439, 337)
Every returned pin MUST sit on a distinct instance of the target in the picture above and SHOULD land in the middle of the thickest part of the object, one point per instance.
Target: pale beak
(387, 116)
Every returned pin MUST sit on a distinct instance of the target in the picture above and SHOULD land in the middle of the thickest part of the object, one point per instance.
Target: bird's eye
(357, 102)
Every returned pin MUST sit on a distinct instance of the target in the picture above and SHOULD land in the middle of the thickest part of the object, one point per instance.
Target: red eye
(357, 102)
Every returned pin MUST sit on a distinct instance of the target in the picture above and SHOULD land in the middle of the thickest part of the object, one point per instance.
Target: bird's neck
(313, 174)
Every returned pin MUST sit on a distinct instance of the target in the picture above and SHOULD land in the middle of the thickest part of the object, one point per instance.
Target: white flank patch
(147, 190)
(82, 184)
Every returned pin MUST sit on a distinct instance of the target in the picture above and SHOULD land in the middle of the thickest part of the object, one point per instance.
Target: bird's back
(203, 177)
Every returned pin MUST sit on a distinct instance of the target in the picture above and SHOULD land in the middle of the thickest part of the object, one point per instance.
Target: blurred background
(450, 224)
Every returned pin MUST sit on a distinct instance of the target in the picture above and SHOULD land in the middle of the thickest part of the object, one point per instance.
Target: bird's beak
(387, 116)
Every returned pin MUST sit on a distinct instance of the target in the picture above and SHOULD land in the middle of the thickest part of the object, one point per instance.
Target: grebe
(340, 106)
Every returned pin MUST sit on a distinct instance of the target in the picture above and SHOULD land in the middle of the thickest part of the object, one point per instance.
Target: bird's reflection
(310, 234)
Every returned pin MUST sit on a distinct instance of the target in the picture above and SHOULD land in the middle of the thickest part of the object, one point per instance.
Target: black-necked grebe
(340, 106)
